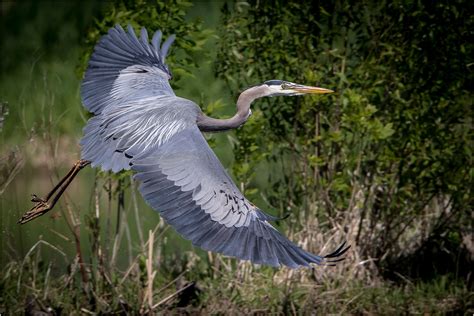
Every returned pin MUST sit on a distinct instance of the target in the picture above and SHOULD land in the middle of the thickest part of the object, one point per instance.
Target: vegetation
(385, 163)
(392, 143)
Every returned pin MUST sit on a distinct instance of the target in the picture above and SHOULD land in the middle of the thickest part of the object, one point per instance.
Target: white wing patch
(132, 129)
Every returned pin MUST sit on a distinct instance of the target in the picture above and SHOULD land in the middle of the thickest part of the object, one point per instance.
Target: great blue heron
(140, 124)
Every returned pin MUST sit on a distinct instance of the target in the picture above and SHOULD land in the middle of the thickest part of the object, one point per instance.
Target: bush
(387, 158)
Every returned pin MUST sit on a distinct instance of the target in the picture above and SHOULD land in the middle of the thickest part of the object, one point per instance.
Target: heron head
(280, 87)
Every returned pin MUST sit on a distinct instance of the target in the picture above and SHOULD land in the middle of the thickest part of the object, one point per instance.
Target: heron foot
(41, 207)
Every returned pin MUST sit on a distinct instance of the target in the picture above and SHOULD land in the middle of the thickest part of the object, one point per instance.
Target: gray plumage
(123, 68)
(140, 124)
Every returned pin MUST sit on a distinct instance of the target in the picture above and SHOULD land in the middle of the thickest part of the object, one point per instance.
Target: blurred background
(384, 163)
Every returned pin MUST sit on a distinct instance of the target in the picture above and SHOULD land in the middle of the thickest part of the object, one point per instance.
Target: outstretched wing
(186, 183)
(126, 87)
(124, 68)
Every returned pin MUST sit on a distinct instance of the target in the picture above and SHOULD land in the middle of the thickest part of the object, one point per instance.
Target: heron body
(140, 124)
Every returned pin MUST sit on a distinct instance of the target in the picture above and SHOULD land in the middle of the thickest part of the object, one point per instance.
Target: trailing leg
(42, 206)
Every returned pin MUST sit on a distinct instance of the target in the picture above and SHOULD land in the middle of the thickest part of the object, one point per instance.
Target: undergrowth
(35, 285)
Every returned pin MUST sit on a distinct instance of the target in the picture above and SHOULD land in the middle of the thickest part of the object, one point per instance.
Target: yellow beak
(309, 89)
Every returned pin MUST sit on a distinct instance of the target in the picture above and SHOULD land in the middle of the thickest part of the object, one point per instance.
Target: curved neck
(209, 124)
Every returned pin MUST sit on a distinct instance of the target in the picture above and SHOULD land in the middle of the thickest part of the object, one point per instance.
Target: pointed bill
(308, 89)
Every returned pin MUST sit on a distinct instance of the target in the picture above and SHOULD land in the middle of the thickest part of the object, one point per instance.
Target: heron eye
(284, 86)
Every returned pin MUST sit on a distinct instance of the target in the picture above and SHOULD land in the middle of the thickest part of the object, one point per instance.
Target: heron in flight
(140, 124)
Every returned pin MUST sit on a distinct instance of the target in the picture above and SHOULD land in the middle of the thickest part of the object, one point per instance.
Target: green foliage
(391, 140)
(40, 43)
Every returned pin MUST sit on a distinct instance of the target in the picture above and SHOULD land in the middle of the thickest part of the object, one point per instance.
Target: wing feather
(156, 40)
(207, 208)
(132, 128)
(133, 65)
(166, 46)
